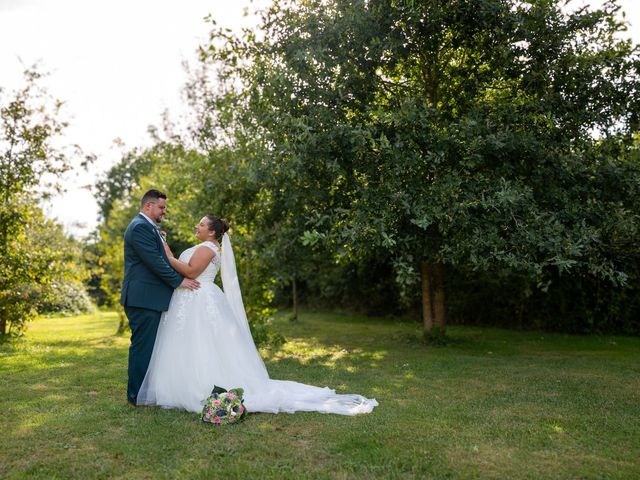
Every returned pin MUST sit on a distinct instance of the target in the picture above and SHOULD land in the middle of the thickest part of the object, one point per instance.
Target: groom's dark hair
(151, 196)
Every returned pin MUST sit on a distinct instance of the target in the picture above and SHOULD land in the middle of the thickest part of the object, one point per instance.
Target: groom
(149, 282)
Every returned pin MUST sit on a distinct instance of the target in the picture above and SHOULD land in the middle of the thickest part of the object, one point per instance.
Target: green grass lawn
(491, 404)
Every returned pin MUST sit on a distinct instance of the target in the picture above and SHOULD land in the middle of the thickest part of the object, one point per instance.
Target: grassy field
(491, 404)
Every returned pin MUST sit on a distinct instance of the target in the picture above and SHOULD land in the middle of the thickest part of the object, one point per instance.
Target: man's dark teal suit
(149, 282)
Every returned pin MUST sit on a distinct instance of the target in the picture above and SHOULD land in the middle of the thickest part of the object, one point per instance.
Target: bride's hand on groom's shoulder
(190, 284)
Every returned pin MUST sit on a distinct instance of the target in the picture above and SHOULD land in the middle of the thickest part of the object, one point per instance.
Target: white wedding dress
(204, 340)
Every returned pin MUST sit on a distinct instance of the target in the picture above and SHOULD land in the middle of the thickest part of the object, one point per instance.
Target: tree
(30, 165)
(121, 179)
(492, 136)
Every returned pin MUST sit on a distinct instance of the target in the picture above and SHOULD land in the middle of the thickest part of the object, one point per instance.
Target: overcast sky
(117, 65)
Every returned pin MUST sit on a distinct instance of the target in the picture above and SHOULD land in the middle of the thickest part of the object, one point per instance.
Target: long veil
(231, 284)
(254, 369)
(268, 395)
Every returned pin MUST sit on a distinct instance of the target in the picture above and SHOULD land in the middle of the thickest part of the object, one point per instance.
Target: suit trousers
(144, 327)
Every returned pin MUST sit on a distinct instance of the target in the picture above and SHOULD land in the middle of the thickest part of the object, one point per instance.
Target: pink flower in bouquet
(216, 420)
(216, 402)
(241, 410)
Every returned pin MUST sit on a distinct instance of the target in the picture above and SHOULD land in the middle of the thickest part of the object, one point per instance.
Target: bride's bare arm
(198, 262)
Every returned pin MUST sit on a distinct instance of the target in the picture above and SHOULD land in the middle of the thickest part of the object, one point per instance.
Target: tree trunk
(437, 286)
(433, 309)
(3, 326)
(294, 293)
(427, 309)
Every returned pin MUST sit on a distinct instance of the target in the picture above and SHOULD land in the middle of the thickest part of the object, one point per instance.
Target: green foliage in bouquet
(224, 407)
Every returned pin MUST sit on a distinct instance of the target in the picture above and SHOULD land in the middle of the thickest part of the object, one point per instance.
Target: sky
(117, 65)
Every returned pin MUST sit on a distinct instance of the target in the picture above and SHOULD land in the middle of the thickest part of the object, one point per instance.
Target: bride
(204, 340)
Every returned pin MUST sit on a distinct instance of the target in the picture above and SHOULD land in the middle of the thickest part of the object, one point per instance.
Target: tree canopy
(38, 261)
(378, 154)
(488, 136)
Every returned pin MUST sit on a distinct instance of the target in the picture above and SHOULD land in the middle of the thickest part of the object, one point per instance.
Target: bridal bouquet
(224, 406)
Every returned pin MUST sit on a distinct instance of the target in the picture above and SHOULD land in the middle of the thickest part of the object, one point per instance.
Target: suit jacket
(149, 280)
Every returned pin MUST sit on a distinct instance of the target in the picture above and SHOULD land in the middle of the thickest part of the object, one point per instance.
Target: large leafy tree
(492, 136)
(32, 249)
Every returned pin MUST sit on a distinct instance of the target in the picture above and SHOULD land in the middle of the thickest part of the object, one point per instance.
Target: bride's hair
(217, 225)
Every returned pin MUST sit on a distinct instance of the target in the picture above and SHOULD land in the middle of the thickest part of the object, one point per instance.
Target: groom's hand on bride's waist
(190, 284)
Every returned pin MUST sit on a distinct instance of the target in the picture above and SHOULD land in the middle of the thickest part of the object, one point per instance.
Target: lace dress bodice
(209, 273)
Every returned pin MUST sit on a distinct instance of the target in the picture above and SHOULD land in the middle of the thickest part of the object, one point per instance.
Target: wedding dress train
(204, 340)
